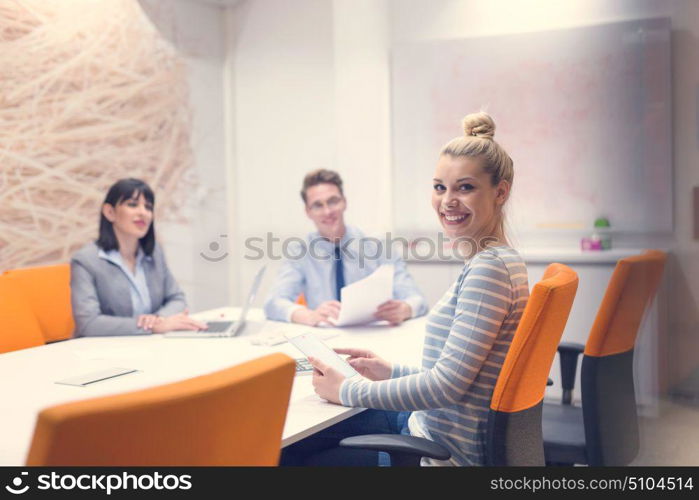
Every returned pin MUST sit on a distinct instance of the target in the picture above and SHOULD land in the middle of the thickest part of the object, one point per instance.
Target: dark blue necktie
(339, 273)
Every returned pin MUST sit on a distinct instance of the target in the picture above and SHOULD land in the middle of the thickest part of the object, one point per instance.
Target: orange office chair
(514, 421)
(47, 290)
(230, 417)
(514, 434)
(19, 328)
(605, 430)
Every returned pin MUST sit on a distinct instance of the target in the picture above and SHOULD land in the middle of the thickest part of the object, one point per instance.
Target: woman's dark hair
(123, 190)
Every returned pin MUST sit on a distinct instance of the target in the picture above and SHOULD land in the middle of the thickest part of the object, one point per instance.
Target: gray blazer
(99, 293)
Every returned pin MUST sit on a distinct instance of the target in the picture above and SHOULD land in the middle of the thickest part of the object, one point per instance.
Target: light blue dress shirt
(140, 296)
(310, 270)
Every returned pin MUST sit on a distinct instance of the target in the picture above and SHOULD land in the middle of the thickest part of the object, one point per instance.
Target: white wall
(283, 115)
(362, 112)
(197, 32)
(310, 89)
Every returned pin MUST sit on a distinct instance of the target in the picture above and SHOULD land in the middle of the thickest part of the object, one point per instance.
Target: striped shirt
(468, 334)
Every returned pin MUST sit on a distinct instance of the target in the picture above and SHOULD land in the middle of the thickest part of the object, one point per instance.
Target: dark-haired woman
(120, 284)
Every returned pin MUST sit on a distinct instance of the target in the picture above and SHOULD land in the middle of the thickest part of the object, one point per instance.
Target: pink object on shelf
(590, 244)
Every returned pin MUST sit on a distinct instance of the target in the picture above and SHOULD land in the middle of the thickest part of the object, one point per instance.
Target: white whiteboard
(585, 114)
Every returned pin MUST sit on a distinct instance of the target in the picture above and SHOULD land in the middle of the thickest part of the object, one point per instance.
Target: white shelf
(575, 255)
(539, 255)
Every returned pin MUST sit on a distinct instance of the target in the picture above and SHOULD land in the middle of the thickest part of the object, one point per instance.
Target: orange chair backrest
(230, 417)
(524, 373)
(47, 290)
(18, 326)
(630, 291)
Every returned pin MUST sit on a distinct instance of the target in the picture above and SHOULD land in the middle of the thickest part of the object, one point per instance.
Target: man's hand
(306, 316)
(329, 309)
(312, 317)
(394, 311)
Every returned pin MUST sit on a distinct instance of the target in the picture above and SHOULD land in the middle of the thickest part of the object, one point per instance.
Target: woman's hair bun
(479, 125)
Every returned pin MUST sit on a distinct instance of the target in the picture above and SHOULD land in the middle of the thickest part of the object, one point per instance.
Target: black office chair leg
(405, 451)
(404, 460)
(569, 352)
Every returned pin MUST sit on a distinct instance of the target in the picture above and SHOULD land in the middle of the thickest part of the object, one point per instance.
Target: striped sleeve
(399, 370)
(484, 300)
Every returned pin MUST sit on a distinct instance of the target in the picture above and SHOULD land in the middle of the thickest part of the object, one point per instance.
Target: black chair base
(405, 451)
(564, 435)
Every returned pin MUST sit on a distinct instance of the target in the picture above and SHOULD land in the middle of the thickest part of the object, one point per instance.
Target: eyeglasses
(332, 203)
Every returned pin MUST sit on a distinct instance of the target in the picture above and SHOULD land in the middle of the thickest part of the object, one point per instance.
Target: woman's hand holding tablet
(310, 345)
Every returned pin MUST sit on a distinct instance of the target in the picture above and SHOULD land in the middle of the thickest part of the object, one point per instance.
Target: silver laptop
(217, 329)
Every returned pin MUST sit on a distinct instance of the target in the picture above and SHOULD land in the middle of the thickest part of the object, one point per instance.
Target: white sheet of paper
(361, 298)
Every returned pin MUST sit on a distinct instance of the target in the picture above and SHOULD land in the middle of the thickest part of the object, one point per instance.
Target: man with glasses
(334, 256)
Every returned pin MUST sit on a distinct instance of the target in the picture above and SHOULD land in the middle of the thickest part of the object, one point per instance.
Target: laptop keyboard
(217, 326)
(303, 366)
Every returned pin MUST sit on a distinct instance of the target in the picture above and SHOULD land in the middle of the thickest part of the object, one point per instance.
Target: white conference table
(29, 376)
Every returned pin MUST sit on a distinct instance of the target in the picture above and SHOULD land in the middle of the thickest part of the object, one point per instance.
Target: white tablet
(311, 345)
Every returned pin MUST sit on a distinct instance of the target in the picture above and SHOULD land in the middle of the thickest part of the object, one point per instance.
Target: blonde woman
(468, 333)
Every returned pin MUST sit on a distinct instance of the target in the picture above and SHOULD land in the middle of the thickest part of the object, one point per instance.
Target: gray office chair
(605, 430)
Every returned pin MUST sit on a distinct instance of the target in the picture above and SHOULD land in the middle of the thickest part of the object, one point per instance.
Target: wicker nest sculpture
(90, 92)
